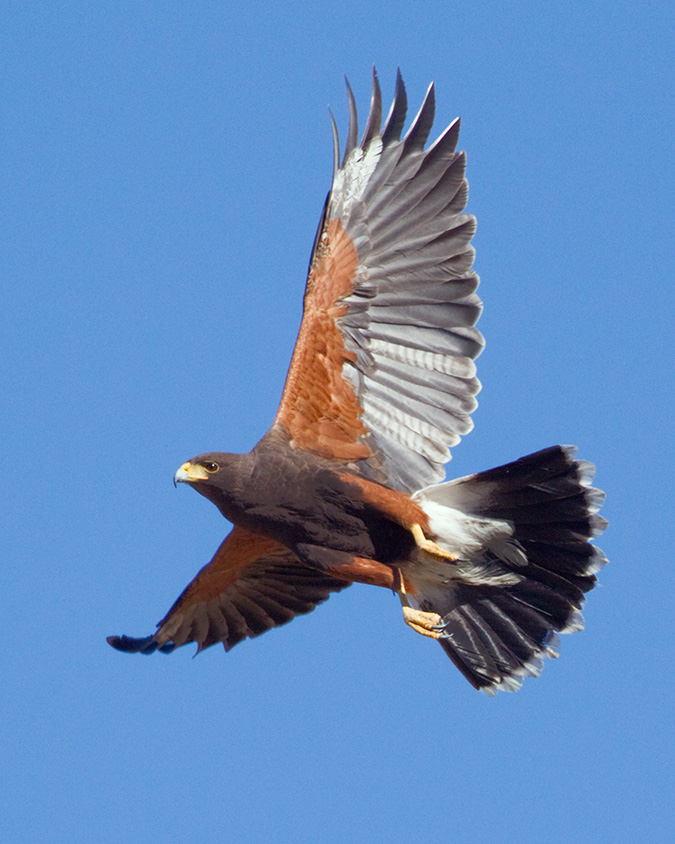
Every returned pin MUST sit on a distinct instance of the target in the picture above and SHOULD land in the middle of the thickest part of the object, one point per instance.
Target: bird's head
(217, 476)
(205, 468)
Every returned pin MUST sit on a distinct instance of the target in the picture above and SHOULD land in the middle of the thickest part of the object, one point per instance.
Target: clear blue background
(162, 169)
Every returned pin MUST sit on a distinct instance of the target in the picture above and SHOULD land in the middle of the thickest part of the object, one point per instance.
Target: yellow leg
(424, 623)
(429, 545)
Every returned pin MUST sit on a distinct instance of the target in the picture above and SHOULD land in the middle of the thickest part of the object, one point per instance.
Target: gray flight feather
(397, 114)
(411, 313)
(374, 115)
(353, 131)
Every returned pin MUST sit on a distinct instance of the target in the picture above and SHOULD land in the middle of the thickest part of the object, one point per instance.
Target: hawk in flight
(348, 483)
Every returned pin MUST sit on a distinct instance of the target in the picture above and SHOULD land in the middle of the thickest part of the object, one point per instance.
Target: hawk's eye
(211, 467)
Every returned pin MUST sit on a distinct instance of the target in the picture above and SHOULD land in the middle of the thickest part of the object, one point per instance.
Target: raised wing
(382, 376)
(251, 585)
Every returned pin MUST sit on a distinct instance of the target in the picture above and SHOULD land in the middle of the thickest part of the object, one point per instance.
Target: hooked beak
(189, 473)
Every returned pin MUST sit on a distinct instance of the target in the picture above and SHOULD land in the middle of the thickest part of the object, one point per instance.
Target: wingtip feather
(353, 130)
(397, 113)
(374, 120)
(144, 645)
(336, 143)
(420, 128)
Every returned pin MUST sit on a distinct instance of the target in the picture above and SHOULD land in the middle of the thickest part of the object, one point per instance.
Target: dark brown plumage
(345, 486)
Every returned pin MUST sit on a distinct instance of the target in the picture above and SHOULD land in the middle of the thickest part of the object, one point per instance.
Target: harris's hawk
(347, 485)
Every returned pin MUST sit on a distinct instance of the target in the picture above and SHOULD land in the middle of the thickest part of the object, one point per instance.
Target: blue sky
(163, 166)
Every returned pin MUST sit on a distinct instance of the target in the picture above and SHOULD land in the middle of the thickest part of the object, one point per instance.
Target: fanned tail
(522, 535)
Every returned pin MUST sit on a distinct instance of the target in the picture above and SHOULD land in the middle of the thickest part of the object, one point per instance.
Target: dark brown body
(325, 515)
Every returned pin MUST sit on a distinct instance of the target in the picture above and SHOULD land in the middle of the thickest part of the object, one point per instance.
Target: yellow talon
(423, 623)
(430, 546)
